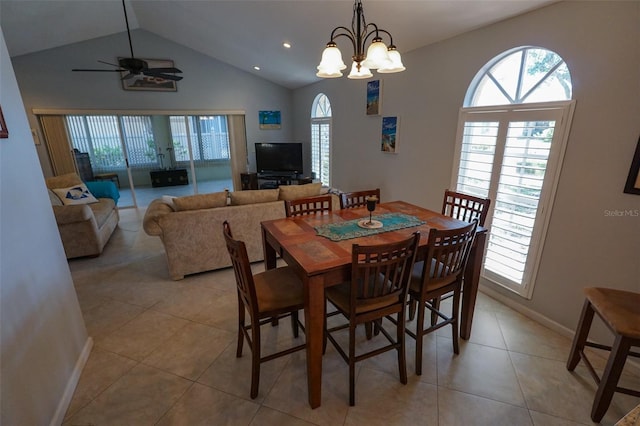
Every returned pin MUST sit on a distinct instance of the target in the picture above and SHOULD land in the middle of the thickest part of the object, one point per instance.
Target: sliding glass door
(154, 155)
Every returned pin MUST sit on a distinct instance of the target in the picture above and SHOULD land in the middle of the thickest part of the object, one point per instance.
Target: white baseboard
(63, 405)
(537, 317)
(632, 363)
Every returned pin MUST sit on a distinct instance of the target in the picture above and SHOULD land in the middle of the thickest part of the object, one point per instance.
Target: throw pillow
(63, 181)
(55, 201)
(168, 200)
(77, 194)
(254, 196)
(200, 201)
(293, 192)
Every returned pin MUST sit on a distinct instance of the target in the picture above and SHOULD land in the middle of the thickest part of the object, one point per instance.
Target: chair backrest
(309, 205)
(465, 207)
(242, 269)
(380, 274)
(351, 200)
(447, 254)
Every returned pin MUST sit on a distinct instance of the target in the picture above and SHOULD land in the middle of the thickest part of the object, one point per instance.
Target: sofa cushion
(254, 196)
(63, 181)
(76, 194)
(54, 199)
(200, 201)
(293, 192)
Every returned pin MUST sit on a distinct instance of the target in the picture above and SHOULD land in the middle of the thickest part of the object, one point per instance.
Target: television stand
(273, 180)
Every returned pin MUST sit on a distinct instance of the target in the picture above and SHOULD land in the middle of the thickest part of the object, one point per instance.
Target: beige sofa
(84, 228)
(191, 227)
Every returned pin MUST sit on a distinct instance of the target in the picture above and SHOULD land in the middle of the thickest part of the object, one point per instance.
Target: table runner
(350, 229)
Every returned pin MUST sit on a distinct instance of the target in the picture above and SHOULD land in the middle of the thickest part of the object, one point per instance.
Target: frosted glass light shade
(395, 65)
(363, 73)
(377, 56)
(331, 59)
(328, 73)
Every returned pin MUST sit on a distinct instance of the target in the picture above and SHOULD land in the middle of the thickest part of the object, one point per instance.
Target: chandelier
(379, 56)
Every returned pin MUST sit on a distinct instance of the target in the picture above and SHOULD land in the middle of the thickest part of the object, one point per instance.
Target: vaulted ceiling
(248, 34)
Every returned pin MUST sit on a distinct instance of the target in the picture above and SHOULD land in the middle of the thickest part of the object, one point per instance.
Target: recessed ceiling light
(257, 68)
(286, 45)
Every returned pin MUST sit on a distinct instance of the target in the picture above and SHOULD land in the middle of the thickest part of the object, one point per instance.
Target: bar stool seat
(108, 176)
(620, 311)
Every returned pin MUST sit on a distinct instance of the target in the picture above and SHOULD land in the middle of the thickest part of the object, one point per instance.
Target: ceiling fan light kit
(379, 56)
(136, 67)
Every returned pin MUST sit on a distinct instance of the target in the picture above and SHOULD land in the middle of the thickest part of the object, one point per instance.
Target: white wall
(46, 81)
(41, 327)
(600, 41)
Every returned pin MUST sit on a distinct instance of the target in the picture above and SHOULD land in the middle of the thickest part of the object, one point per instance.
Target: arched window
(321, 139)
(522, 75)
(511, 137)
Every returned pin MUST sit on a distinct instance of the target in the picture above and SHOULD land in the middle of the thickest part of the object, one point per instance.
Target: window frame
(506, 114)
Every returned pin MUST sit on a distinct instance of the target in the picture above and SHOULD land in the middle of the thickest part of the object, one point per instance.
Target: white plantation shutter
(476, 162)
(320, 150)
(512, 155)
(321, 139)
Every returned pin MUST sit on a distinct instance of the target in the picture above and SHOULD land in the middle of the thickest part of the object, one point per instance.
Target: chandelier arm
(366, 36)
(387, 33)
(348, 34)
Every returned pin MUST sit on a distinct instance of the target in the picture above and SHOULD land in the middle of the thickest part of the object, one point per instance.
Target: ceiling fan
(134, 66)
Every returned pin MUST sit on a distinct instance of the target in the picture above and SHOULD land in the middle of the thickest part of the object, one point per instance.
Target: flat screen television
(277, 158)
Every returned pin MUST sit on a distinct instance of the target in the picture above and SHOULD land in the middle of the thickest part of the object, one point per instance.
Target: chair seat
(340, 295)
(416, 279)
(620, 309)
(287, 293)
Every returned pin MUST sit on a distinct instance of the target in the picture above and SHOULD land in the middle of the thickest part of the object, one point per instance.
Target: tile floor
(164, 354)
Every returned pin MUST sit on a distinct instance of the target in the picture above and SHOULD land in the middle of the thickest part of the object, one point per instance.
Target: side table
(169, 177)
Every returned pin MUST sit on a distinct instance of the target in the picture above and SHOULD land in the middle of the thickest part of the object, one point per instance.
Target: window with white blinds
(511, 140)
(103, 137)
(321, 139)
(512, 156)
(207, 135)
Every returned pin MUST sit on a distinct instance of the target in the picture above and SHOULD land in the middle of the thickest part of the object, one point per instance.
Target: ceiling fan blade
(169, 70)
(108, 63)
(85, 70)
(162, 75)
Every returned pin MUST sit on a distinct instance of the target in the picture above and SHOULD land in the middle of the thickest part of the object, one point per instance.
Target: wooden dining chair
(620, 312)
(439, 273)
(378, 289)
(272, 294)
(308, 205)
(352, 200)
(465, 207)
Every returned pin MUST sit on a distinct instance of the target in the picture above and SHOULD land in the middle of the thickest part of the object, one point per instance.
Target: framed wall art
(4, 132)
(269, 120)
(632, 185)
(389, 135)
(373, 97)
(154, 84)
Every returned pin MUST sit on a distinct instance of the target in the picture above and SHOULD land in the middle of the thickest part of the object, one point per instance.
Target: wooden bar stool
(620, 311)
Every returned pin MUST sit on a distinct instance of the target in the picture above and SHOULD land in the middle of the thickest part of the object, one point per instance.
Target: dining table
(318, 248)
